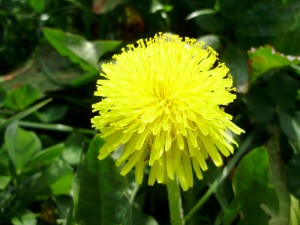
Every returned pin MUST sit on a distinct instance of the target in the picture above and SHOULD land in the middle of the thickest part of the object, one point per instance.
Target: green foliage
(51, 54)
(266, 58)
(252, 188)
(80, 51)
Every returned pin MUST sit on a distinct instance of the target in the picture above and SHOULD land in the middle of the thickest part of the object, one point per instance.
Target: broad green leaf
(78, 49)
(290, 125)
(260, 106)
(266, 58)
(252, 188)
(21, 146)
(293, 175)
(63, 185)
(100, 191)
(73, 148)
(22, 97)
(27, 218)
(283, 90)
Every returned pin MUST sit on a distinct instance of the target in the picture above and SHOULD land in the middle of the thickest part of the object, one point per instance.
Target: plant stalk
(175, 205)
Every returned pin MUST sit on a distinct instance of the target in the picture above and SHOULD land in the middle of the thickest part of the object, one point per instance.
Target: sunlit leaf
(266, 58)
(26, 218)
(78, 49)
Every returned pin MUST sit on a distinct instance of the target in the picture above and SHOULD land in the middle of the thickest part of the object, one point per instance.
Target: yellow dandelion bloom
(162, 106)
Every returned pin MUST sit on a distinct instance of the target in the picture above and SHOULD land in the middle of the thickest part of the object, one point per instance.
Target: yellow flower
(162, 107)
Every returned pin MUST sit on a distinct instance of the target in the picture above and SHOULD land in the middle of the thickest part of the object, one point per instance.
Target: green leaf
(200, 12)
(295, 211)
(4, 181)
(79, 50)
(73, 148)
(38, 5)
(2, 97)
(63, 185)
(210, 40)
(100, 191)
(278, 182)
(290, 126)
(4, 163)
(21, 146)
(252, 188)
(283, 90)
(27, 218)
(259, 104)
(58, 175)
(51, 113)
(24, 113)
(208, 20)
(51, 71)
(138, 217)
(266, 58)
(236, 60)
(22, 97)
(45, 157)
(293, 175)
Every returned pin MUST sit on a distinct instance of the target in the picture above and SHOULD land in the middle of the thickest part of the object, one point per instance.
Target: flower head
(163, 107)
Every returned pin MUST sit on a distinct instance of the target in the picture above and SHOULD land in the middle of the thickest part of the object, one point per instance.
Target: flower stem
(175, 206)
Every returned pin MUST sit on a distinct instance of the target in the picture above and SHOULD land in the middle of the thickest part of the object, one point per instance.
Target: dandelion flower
(162, 105)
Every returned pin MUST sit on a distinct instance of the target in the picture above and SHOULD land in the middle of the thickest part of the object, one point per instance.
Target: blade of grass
(54, 127)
